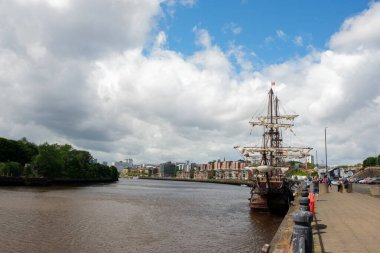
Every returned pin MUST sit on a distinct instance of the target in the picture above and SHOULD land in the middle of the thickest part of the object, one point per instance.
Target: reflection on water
(132, 216)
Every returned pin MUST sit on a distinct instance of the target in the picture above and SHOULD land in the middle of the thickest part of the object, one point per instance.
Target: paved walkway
(347, 222)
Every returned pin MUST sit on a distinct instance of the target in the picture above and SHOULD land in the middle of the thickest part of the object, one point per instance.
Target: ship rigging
(271, 190)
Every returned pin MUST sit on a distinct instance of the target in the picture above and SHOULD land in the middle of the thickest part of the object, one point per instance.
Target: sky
(178, 80)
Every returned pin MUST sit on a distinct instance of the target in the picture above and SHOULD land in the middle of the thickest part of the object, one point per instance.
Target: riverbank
(214, 181)
(21, 181)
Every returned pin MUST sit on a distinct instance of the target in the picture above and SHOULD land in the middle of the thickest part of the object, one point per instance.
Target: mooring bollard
(304, 201)
(302, 233)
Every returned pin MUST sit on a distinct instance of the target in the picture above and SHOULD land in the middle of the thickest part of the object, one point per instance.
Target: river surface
(132, 215)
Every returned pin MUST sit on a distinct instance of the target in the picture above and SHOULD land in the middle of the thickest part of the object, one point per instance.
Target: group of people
(325, 180)
(342, 182)
(314, 196)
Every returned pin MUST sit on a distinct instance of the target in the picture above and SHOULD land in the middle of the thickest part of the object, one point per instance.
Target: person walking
(316, 188)
(329, 183)
(345, 183)
(311, 204)
(340, 185)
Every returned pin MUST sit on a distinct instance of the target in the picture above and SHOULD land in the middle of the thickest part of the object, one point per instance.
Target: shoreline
(20, 181)
(213, 181)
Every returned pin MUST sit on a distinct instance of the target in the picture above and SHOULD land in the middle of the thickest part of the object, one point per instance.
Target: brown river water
(132, 215)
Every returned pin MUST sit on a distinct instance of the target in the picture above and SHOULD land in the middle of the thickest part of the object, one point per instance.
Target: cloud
(268, 40)
(232, 28)
(203, 38)
(55, 4)
(241, 57)
(298, 41)
(188, 3)
(160, 40)
(105, 80)
(281, 35)
(358, 33)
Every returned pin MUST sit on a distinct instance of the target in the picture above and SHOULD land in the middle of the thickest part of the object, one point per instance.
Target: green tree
(296, 172)
(49, 161)
(11, 169)
(9, 150)
(370, 161)
(114, 174)
(21, 151)
(22, 157)
(28, 150)
(76, 163)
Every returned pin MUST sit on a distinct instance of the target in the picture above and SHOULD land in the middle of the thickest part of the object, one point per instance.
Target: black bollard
(302, 233)
(304, 201)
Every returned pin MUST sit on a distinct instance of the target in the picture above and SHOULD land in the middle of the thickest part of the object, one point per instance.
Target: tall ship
(269, 160)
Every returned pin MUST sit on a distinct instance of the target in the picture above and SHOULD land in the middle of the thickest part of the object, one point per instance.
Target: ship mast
(272, 135)
(272, 152)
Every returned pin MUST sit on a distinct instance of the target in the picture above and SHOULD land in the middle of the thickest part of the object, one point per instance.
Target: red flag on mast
(273, 84)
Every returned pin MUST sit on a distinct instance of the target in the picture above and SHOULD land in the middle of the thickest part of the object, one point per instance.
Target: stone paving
(346, 222)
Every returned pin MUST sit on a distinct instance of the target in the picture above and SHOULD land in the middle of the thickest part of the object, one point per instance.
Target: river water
(132, 216)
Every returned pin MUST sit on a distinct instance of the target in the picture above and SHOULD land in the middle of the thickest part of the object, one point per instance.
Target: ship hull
(274, 199)
(274, 203)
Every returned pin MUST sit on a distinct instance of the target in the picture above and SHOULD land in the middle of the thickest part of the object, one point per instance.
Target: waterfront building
(168, 169)
(185, 166)
(186, 170)
(223, 170)
(310, 159)
(182, 174)
(127, 163)
(203, 174)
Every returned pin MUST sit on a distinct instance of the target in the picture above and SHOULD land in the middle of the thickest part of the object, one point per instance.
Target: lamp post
(316, 158)
(326, 149)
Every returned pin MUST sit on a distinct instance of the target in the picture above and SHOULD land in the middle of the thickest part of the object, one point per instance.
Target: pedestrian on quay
(311, 204)
(329, 183)
(316, 187)
(345, 183)
(340, 185)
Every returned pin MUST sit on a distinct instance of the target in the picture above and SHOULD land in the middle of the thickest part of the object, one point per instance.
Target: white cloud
(98, 86)
(160, 40)
(241, 57)
(359, 32)
(203, 38)
(298, 41)
(281, 35)
(55, 4)
(188, 3)
(232, 28)
(268, 40)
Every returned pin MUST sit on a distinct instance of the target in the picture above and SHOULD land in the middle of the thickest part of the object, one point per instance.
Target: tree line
(372, 161)
(21, 158)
